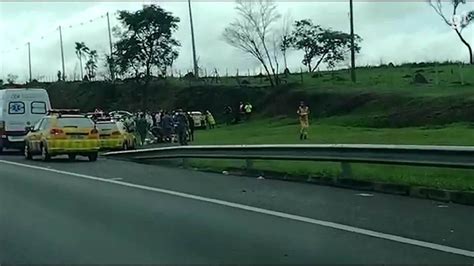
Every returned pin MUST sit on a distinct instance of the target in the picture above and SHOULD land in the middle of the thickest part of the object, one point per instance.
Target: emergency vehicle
(19, 109)
(114, 136)
(63, 132)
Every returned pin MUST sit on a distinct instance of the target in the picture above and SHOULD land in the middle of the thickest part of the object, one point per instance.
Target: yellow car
(114, 136)
(62, 133)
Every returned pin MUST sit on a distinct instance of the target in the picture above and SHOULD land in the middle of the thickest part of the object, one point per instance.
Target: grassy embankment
(438, 113)
(286, 131)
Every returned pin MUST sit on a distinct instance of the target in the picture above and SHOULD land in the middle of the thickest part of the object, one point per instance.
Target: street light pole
(353, 74)
(62, 53)
(196, 68)
(29, 61)
(112, 74)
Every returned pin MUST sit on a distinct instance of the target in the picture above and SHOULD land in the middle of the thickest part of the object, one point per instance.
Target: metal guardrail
(435, 156)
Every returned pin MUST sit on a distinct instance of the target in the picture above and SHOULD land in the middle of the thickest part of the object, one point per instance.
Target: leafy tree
(320, 44)
(251, 32)
(91, 64)
(11, 78)
(146, 41)
(81, 51)
(458, 22)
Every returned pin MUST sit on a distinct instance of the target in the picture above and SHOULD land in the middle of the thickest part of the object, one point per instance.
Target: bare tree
(458, 22)
(285, 42)
(251, 31)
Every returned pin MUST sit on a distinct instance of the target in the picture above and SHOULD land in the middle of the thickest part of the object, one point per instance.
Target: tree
(285, 40)
(11, 78)
(457, 22)
(81, 50)
(251, 32)
(324, 45)
(145, 42)
(91, 64)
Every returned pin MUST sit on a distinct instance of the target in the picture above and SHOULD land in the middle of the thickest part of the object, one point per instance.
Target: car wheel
(72, 157)
(93, 157)
(44, 154)
(27, 152)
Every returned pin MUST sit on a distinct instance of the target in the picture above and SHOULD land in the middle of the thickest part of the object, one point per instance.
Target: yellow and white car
(114, 136)
(63, 133)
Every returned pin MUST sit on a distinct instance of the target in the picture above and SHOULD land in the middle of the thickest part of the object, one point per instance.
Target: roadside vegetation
(285, 131)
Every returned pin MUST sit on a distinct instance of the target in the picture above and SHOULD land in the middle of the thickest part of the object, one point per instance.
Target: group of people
(166, 126)
(243, 113)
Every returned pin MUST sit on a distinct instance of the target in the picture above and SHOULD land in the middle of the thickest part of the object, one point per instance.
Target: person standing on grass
(248, 110)
(158, 118)
(190, 126)
(228, 114)
(303, 113)
(210, 120)
(181, 127)
(167, 125)
(142, 128)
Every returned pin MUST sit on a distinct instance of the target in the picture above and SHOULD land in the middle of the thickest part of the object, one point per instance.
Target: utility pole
(29, 60)
(353, 74)
(112, 74)
(196, 68)
(62, 53)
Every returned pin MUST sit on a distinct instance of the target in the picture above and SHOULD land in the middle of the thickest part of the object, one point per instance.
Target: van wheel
(93, 157)
(44, 154)
(27, 152)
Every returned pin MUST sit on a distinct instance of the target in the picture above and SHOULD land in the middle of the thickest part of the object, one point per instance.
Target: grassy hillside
(383, 97)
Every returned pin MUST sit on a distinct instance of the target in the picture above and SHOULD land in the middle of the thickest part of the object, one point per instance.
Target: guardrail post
(249, 164)
(346, 170)
(185, 162)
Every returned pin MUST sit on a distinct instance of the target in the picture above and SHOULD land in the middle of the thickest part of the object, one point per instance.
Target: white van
(19, 109)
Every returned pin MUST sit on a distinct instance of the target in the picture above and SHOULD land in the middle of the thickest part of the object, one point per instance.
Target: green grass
(285, 131)
(452, 79)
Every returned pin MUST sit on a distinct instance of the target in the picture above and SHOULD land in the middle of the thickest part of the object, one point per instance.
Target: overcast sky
(403, 31)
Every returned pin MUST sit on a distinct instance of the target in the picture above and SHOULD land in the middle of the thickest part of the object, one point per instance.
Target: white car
(119, 114)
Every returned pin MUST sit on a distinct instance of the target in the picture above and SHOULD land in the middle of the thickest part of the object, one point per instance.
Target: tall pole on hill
(62, 53)
(196, 68)
(353, 74)
(29, 61)
(112, 74)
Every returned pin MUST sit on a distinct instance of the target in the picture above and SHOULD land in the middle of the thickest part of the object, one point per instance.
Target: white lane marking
(342, 227)
(116, 178)
(365, 195)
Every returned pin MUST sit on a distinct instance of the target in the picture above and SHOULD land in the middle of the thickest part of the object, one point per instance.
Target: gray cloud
(392, 32)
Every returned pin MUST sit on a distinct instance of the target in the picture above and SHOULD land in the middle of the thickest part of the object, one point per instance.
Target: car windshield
(107, 126)
(75, 122)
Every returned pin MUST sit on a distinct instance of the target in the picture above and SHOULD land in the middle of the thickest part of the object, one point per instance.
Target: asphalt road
(120, 212)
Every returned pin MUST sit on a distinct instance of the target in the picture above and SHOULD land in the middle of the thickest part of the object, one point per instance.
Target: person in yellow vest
(303, 113)
(248, 110)
(211, 122)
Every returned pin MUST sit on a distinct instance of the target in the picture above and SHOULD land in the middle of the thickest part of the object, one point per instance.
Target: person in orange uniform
(303, 113)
